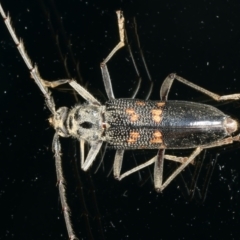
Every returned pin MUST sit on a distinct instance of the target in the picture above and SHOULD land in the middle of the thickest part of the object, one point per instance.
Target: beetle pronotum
(132, 123)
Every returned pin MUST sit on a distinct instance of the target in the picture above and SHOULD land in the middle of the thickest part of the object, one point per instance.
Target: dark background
(199, 40)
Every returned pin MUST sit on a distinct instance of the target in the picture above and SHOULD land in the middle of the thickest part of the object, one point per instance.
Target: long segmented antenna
(33, 69)
(51, 105)
(61, 186)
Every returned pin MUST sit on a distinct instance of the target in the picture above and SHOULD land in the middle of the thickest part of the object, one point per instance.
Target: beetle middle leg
(119, 157)
(103, 65)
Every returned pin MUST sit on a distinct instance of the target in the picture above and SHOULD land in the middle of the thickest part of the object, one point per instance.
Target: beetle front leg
(77, 87)
(94, 150)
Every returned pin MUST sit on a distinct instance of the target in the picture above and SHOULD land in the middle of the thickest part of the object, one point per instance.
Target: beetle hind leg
(167, 84)
(159, 186)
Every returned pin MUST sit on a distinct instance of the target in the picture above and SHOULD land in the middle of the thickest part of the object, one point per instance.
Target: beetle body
(138, 124)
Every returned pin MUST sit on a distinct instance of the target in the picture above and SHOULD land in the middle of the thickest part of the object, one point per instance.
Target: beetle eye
(86, 125)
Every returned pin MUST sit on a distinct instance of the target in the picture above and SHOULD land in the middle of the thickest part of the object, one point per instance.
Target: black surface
(199, 40)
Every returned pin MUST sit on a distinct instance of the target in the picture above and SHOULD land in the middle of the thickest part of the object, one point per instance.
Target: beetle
(132, 123)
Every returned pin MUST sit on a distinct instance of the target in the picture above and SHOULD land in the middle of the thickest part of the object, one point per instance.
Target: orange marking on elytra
(134, 135)
(133, 115)
(140, 103)
(157, 115)
(160, 104)
(157, 137)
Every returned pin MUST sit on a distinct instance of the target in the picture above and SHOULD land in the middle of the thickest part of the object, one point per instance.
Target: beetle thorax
(86, 122)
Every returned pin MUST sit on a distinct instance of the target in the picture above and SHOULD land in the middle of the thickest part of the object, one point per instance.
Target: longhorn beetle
(132, 123)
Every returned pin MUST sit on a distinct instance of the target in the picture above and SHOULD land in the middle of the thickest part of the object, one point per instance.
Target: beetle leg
(94, 150)
(167, 84)
(118, 165)
(176, 159)
(158, 184)
(77, 87)
(82, 151)
(158, 168)
(225, 141)
(103, 65)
